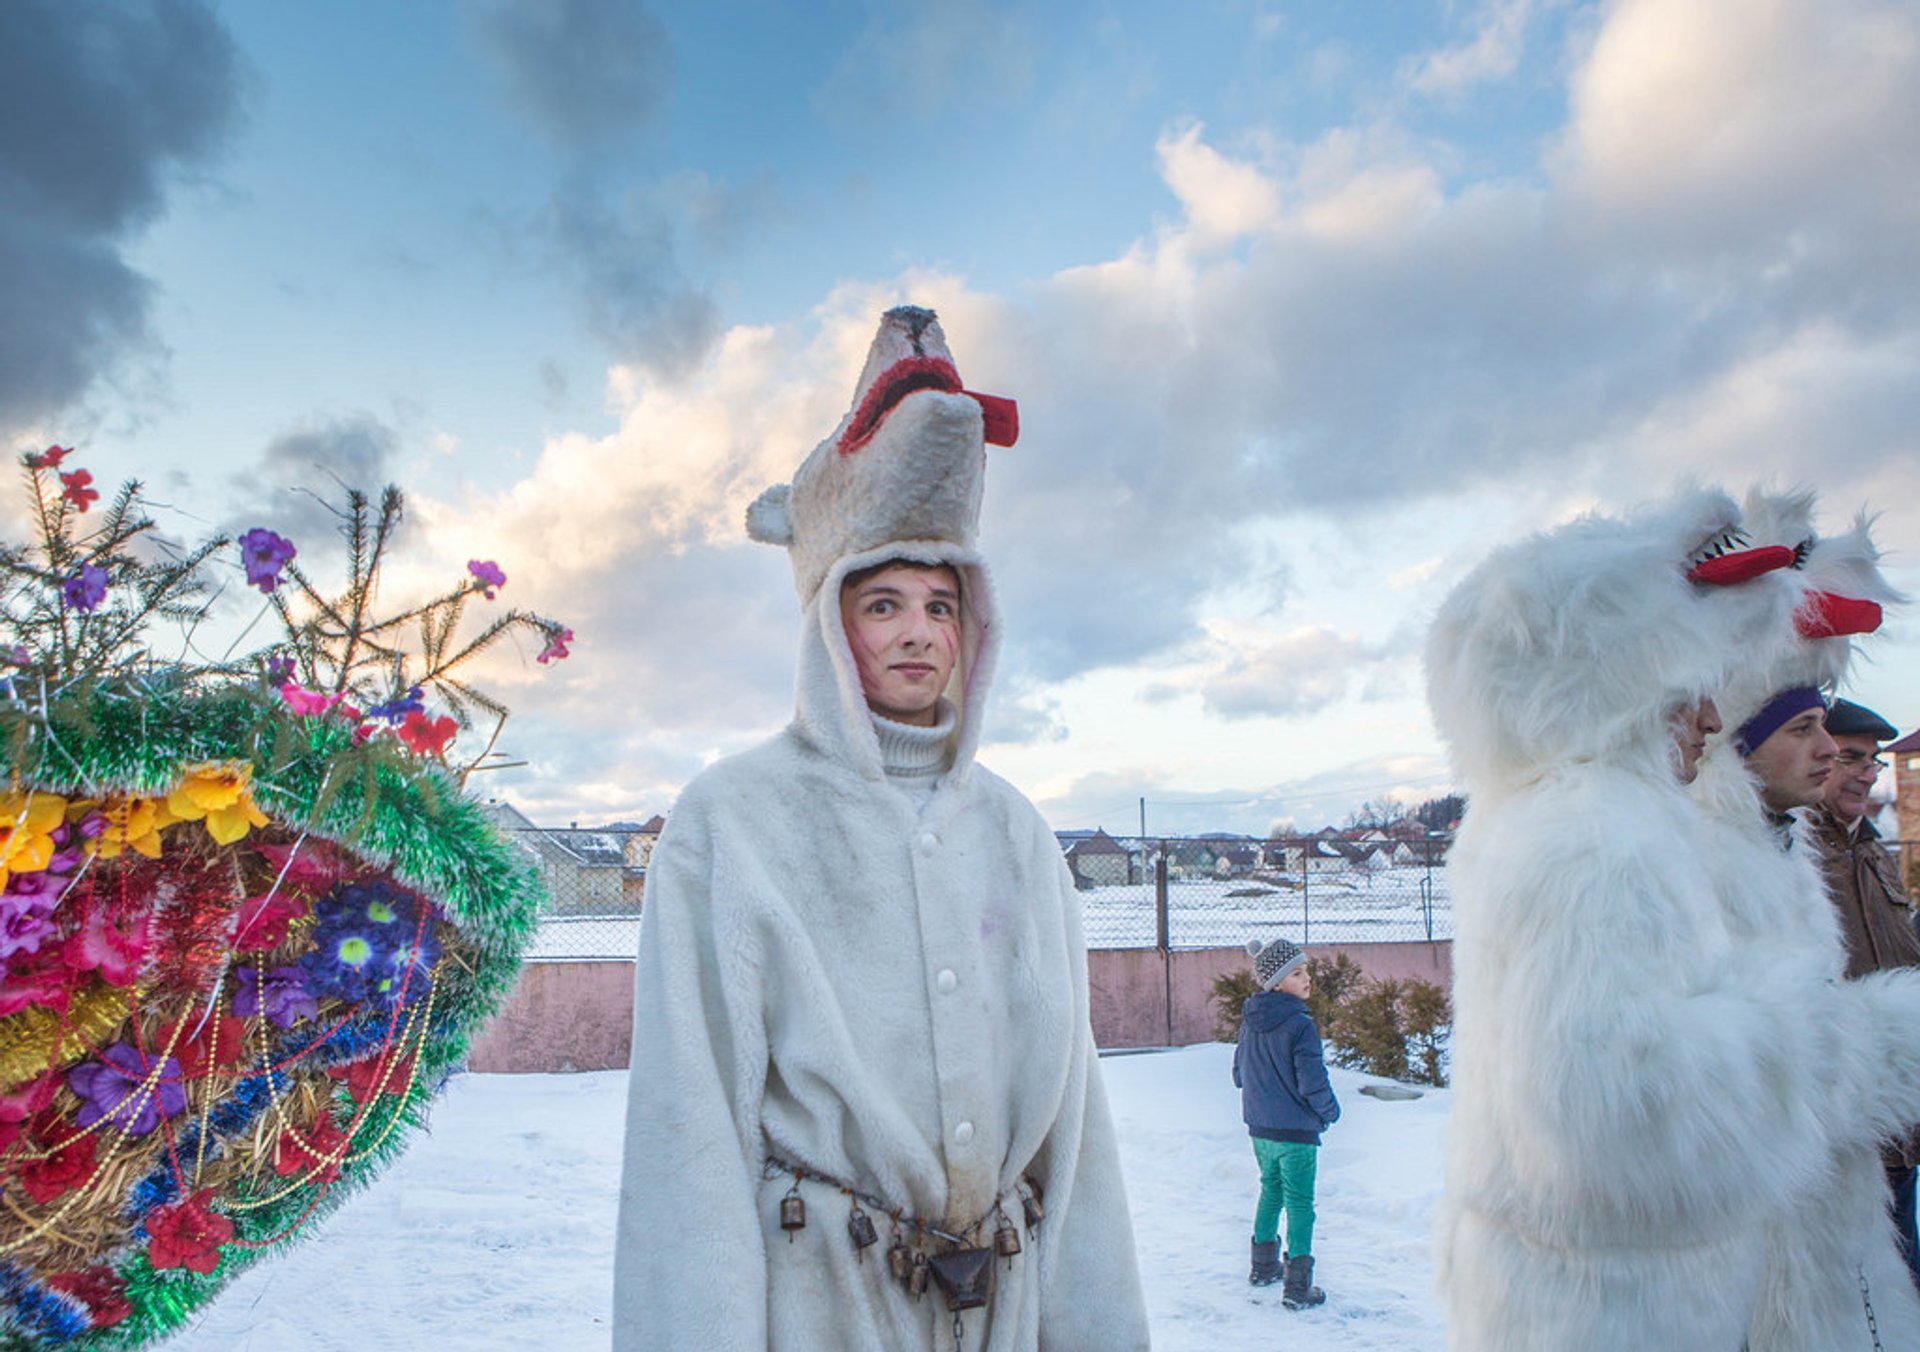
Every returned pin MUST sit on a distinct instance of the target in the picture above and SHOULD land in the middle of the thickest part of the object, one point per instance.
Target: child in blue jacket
(1287, 1103)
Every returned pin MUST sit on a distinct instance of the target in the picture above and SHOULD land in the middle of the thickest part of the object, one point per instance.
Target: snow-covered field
(1354, 906)
(495, 1232)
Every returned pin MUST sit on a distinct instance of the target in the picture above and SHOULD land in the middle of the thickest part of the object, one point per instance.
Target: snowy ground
(1354, 906)
(495, 1232)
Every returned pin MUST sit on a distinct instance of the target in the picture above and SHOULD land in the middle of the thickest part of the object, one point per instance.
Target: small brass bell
(860, 1228)
(1034, 1212)
(900, 1262)
(793, 1211)
(922, 1274)
(1006, 1240)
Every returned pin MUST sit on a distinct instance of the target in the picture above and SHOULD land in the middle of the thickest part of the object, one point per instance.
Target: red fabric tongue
(1744, 566)
(1824, 615)
(1001, 416)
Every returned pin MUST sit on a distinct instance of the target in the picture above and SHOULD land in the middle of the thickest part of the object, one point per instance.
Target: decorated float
(250, 917)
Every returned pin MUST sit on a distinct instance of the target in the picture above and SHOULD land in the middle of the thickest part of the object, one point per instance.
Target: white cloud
(1493, 53)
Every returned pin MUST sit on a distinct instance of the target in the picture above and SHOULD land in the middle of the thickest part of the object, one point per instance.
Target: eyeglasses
(1855, 761)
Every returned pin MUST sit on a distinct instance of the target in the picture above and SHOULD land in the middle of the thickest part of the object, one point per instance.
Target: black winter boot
(1266, 1263)
(1300, 1292)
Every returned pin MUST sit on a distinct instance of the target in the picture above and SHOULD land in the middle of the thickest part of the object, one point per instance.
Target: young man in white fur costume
(865, 1110)
(1834, 1279)
(1639, 1091)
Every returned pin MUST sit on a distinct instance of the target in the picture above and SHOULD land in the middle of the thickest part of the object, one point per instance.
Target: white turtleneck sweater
(915, 757)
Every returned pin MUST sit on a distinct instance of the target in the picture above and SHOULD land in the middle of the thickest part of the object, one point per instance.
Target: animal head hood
(906, 463)
(1839, 593)
(899, 478)
(1578, 643)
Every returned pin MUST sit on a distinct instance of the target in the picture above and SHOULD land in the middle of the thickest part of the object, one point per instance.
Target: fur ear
(768, 520)
(1253, 948)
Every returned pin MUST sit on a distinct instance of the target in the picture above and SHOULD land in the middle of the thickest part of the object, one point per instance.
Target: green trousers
(1287, 1170)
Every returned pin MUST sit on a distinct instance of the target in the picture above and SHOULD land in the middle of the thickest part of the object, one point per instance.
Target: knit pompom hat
(1275, 960)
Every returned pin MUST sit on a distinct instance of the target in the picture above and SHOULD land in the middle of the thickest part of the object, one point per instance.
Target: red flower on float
(61, 1170)
(99, 1289)
(49, 458)
(427, 736)
(322, 1146)
(187, 1235)
(205, 1047)
(262, 921)
(79, 489)
(369, 1077)
(23, 1102)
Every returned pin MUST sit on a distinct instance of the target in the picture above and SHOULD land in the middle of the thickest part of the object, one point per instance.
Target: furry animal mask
(906, 463)
(1839, 592)
(1577, 644)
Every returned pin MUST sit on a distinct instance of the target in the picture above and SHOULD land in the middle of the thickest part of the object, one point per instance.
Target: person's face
(903, 624)
(1795, 762)
(1692, 725)
(1297, 982)
(1855, 767)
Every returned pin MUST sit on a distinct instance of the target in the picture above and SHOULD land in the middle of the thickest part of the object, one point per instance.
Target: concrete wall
(562, 1016)
(579, 1015)
(1129, 988)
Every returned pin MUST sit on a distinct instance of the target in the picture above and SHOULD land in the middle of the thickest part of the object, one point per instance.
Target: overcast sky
(1305, 306)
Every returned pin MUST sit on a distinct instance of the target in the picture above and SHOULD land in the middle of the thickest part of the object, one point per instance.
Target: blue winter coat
(1284, 1094)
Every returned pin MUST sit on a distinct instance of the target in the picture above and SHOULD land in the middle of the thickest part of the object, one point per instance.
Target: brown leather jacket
(1876, 918)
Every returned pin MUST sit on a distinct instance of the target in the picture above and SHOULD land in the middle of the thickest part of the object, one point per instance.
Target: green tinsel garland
(376, 800)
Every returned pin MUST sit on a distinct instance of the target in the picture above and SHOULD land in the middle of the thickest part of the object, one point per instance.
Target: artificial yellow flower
(28, 819)
(222, 793)
(131, 824)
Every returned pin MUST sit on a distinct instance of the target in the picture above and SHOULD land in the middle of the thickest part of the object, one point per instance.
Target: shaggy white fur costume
(893, 998)
(1831, 1255)
(1637, 1087)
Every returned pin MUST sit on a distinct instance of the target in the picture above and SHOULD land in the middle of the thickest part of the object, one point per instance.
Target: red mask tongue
(1824, 615)
(1730, 569)
(1001, 416)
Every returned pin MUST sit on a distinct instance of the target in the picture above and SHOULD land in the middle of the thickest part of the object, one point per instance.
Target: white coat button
(963, 1133)
(946, 981)
(928, 841)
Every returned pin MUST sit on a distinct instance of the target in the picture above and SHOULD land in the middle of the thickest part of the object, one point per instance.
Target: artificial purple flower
(16, 656)
(284, 997)
(279, 669)
(110, 1087)
(265, 554)
(487, 573)
(395, 711)
(93, 825)
(86, 589)
(26, 917)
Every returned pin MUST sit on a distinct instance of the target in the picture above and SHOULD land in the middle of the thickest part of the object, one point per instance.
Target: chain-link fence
(1154, 892)
(1218, 892)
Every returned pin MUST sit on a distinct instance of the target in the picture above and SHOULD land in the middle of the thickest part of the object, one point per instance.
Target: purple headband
(1789, 703)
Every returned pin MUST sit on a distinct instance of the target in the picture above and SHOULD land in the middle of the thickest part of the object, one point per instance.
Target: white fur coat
(894, 999)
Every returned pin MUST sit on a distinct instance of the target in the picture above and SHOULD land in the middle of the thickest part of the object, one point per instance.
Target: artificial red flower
(187, 1235)
(219, 1042)
(310, 866)
(557, 641)
(427, 736)
(49, 458)
(370, 1074)
(42, 979)
(62, 1170)
(100, 1289)
(117, 949)
(23, 1102)
(263, 921)
(78, 489)
(321, 1146)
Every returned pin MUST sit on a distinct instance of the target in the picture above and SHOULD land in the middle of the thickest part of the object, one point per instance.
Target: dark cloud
(589, 73)
(624, 264)
(915, 64)
(301, 480)
(100, 107)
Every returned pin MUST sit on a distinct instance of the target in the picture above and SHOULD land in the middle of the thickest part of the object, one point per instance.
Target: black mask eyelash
(1800, 552)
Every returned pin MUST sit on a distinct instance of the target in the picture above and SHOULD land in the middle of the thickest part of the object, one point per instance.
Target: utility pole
(1143, 819)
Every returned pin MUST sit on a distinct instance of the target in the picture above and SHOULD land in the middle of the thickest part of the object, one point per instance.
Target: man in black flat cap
(1876, 918)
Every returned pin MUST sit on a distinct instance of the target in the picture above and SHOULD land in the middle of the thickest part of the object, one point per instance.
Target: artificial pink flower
(307, 703)
(556, 648)
(116, 949)
(49, 458)
(22, 1102)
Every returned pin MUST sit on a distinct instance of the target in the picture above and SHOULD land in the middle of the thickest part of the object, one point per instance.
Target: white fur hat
(905, 464)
